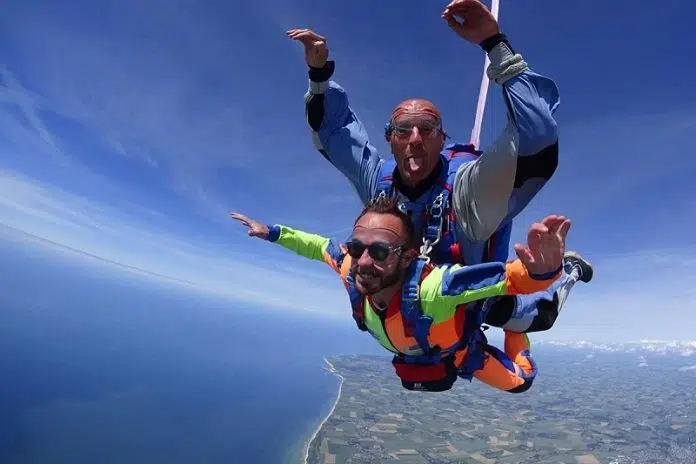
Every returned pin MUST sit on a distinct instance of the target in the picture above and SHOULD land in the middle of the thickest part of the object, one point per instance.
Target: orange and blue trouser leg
(513, 370)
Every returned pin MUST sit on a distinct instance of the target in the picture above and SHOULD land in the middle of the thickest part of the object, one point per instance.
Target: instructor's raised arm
(337, 133)
(500, 184)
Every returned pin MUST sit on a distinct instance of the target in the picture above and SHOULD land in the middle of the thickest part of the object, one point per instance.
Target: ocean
(97, 368)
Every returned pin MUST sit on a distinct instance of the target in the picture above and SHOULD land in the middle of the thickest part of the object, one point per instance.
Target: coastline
(308, 444)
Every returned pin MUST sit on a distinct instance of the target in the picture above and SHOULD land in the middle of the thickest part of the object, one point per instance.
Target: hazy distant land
(584, 408)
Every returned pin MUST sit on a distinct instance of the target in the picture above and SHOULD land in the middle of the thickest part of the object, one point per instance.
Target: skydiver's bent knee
(500, 310)
(501, 372)
(523, 313)
(547, 313)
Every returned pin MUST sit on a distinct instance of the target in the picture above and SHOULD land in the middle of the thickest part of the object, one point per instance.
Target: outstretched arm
(447, 287)
(538, 265)
(503, 180)
(311, 246)
(337, 132)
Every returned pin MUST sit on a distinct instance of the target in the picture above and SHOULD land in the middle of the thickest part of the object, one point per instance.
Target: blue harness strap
(475, 339)
(439, 230)
(413, 315)
(357, 303)
(472, 338)
(439, 233)
(385, 180)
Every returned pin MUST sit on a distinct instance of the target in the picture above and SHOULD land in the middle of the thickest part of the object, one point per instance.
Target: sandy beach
(333, 407)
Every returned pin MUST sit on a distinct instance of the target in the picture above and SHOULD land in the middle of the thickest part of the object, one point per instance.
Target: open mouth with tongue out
(414, 164)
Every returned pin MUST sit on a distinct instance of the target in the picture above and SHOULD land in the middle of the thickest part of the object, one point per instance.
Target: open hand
(545, 245)
(256, 229)
(316, 51)
(478, 22)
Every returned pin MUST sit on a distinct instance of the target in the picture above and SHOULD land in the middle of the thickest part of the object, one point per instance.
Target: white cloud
(647, 295)
(670, 130)
(174, 87)
(611, 308)
(662, 347)
(85, 228)
(185, 103)
(13, 92)
(168, 89)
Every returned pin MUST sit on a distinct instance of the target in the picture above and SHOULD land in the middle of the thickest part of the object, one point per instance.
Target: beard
(369, 282)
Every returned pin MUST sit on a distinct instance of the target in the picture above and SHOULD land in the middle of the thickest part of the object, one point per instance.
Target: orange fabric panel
(515, 343)
(496, 375)
(518, 281)
(444, 334)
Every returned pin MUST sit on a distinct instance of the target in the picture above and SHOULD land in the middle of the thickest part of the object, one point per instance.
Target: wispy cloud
(129, 112)
(28, 103)
(629, 219)
(172, 87)
(138, 243)
(134, 111)
(611, 308)
(662, 347)
(178, 95)
(646, 295)
(21, 126)
(617, 153)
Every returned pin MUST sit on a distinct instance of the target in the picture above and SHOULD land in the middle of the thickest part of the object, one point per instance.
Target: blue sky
(128, 131)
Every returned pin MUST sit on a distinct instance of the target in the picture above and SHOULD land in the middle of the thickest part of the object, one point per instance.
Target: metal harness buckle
(435, 212)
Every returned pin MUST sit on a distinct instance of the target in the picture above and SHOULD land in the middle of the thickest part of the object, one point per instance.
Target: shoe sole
(586, 268)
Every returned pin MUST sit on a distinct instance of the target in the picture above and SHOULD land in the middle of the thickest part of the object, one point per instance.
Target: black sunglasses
(378, 251)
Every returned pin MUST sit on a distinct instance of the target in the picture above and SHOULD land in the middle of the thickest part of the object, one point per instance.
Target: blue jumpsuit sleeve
(492, 190)
(338, 134)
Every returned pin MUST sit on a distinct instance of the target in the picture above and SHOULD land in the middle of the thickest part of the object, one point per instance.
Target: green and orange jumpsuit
(441, 293)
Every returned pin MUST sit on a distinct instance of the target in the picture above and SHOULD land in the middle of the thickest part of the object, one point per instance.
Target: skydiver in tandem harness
(419, 311)
(462, 200)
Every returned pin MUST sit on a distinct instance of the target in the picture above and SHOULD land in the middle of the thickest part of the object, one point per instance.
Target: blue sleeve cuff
(547, 275)
(273, 233)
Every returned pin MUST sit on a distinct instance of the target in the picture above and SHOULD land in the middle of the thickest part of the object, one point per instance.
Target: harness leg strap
(411, 308)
